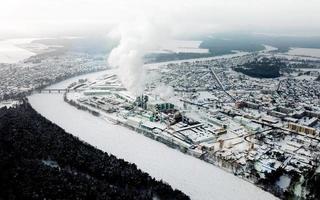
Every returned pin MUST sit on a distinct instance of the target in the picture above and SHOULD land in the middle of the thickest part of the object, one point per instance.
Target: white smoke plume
(136, 40)
(164, 92)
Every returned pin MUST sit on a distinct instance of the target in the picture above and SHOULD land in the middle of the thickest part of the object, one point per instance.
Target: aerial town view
(98, 104)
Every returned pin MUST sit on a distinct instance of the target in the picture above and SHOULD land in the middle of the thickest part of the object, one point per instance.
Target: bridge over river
(57, 90)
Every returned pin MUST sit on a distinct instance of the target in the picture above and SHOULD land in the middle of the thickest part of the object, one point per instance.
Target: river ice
(196, 178)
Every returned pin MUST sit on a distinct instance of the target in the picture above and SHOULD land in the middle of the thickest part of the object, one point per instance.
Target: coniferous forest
(39, 160)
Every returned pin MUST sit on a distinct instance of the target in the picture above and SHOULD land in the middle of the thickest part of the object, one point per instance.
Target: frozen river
(196, 178)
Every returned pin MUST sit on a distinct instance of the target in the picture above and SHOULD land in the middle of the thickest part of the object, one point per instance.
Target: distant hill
(39, 160)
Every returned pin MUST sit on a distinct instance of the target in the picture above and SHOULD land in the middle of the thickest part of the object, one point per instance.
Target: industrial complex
(250, 128)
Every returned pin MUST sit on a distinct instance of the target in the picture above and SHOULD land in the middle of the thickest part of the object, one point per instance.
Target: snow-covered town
(255, 128)
(160, 100)
(39, 71)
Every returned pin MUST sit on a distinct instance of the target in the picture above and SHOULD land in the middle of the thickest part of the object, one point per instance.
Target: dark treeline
(164, 57)
(262, 68)
(39, 160)
(313, 185)
(223, 43)
(221, 46)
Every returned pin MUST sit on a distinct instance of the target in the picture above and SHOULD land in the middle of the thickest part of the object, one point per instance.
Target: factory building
(311, 122)
(252, 105)
(149, 103)
(161, 106)
(301, 129)
(96, 92)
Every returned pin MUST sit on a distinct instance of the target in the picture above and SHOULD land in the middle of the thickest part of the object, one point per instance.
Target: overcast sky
(182, 17)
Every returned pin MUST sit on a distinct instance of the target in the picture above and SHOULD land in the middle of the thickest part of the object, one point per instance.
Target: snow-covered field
(268, 48)
(196, 178)
(182, 46)
(10, 52)
(15, 50)
(305, 52)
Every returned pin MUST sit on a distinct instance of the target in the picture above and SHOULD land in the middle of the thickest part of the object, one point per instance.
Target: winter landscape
(150, 100)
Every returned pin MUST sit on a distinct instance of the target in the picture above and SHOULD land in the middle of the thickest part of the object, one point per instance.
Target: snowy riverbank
(196, 178)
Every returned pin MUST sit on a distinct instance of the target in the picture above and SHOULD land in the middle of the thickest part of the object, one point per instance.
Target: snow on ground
(305, 52)
(90, 76)
(268, 48)
(183, 46)
(310, 69)
(157, 65)
(305, 77)
(196, 178)
(295, 57)
(8, 104)
(11, 53)
(15, 50)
